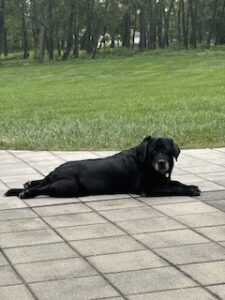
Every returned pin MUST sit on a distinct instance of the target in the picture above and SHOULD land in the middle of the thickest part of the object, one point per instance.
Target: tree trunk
(41, 43)
(220, 37)
(102, 42)
(126, 26)
(179, 23)
(89, 21)
(212, 24)
(167, 24)
(134, 30)
(160, 14)
(152, 26)
(24, 29)
(50, 31)
(35, 26)
(184, 24)
(76, 38)
(143, 28)
(69, 42)
(112, 44)
(5, 50)
(193, 11)
(2, 25)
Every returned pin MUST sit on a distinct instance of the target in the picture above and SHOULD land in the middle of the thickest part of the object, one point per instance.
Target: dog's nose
(161, 163)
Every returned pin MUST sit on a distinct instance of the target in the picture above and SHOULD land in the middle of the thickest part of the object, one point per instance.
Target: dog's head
(158, 153)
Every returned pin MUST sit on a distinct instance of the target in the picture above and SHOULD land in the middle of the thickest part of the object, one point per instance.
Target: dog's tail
(13, 192)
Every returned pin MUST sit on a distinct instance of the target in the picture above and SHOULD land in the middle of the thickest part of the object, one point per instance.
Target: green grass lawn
(113, 103)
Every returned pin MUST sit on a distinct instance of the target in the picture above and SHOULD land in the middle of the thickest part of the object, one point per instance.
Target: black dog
(144, 170)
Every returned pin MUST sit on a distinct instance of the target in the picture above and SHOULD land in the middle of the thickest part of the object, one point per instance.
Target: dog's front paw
(27, 185)
(25, 195)
(195, 191)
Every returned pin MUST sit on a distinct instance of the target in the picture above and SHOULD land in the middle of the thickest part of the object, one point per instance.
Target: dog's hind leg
(13, 192)
(59, 188)
(39, 183)
(35, 191)
(33, 183)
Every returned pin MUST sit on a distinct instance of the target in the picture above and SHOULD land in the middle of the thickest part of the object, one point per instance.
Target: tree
(65, 26)
(212, 23)
(2, 25)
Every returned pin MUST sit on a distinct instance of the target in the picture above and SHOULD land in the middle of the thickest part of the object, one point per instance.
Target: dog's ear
(143, 148)
(175, 149)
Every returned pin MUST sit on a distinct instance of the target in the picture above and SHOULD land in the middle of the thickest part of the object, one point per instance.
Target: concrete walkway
(113, 247)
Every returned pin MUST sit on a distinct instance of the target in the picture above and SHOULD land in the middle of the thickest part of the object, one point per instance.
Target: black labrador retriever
(144, 170)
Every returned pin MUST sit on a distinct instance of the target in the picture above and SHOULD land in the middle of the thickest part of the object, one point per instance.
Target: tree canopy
(61, 28)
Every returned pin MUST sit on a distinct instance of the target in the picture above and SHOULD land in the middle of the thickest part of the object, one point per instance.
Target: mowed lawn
(113, 103)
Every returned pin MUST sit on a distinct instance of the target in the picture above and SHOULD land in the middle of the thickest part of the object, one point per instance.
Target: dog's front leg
(172, 188)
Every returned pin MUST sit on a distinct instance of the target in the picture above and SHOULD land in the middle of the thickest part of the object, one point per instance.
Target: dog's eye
(153, 153)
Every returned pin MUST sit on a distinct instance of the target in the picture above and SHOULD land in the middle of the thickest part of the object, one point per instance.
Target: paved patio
(113, 247)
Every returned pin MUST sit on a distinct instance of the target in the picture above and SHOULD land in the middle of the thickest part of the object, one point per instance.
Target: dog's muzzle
(161, 166)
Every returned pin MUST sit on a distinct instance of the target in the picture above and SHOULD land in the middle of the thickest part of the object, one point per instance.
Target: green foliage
(161, 23)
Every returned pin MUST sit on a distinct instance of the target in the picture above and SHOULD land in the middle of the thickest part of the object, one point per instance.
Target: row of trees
(62, 27)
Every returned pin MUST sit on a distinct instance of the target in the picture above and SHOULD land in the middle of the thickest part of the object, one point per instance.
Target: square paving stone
(3, 261)
(10, 203)
(165, 200)
(12, 214)
(115, 298)
(213, 176)
(35, 237)
(22, 225)
(46, 201)
(216, 233)
(215, 195)
(106, 245)
(188, 179)
(15, 171)
(15, 292)
(39, 253)
(85, 288)
(210, 186)
(185, 208)
(32, 155)
(130, 213)
(150, 280)
(219, 290)
(220, 204)
(11, 180)
(8, 159)
(171, 238)
(74, 220)
(61, 209)
(2, 186)
(8, 276)
(77, 155)
(89, 231)
(193, 253)
(53, 270)
(115, 204)
(120, 262)
(202, 220)
(206, 168)
(150, 225)
(104, 197)
(206, 273)
(182, 294)
(220, 182)
(105, 153)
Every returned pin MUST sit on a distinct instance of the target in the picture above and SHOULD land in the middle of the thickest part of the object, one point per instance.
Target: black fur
(144, 170)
